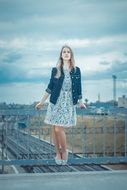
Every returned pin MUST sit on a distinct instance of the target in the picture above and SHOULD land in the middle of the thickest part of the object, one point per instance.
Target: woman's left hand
(82, 105)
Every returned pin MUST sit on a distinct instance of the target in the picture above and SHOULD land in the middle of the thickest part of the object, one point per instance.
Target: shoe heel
(58, 162)
(64, 162)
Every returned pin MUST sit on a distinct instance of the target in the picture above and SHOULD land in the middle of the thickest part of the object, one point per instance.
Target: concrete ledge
(101, 180)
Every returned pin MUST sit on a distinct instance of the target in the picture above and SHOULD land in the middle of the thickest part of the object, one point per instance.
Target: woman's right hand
(38, 105)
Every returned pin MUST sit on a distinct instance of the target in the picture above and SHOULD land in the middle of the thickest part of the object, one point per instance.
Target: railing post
(83, 134)
(39, 135)
(94, 135)
(125, 137)
(114, 133)
(28, 139)
(104, 134)
(72, 140)
(3, 143)
(17, 136)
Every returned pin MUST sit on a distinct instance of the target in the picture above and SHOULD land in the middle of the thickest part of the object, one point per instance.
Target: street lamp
(114, 89)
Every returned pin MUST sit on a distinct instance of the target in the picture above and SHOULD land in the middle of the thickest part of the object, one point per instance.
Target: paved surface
(106, 180)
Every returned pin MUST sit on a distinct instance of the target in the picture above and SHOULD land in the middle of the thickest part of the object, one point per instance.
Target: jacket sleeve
(50, 85)
(79, 86)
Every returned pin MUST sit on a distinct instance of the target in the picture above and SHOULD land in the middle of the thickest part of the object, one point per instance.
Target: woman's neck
(66, 65)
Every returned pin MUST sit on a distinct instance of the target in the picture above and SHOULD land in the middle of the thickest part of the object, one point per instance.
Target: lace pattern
(63, 113)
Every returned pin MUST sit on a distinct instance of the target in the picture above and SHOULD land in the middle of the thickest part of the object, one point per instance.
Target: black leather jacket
(55, 85)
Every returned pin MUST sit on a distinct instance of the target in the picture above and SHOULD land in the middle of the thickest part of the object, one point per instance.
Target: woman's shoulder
(54, 69)
(77, 69)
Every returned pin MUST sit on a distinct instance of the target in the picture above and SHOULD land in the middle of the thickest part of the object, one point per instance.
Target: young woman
(65, 92)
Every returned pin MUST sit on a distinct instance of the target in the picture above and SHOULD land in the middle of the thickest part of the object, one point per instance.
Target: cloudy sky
(32, 33)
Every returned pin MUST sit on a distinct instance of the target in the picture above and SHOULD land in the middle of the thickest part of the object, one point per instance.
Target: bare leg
(56, 143)
(60, 137)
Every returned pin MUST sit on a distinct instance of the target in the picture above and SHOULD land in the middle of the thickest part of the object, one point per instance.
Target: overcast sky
(32, 33)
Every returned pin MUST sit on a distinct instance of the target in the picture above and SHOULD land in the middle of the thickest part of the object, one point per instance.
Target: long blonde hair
(60, 61)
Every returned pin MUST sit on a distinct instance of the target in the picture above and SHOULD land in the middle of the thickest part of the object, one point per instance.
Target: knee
(58, 129)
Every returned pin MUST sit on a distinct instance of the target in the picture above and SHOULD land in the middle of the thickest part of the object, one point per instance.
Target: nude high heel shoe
(64, 161)
(58, 162)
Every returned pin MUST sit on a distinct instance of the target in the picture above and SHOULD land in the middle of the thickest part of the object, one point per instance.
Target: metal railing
(97, 138)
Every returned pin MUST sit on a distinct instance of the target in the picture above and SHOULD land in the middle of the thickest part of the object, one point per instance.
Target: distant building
(122, 102)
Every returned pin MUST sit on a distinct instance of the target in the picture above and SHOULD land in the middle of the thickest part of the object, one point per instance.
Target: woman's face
(66, 54)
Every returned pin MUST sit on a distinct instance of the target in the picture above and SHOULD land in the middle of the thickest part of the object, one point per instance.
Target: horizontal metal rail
(97, 138)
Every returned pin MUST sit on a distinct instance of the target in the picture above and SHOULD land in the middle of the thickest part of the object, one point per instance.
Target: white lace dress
(63, 113)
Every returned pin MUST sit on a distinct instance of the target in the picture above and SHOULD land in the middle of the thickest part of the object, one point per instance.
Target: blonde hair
(60, 61)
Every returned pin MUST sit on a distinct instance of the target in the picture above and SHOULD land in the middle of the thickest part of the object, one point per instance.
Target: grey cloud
(82, 18)
(10, 73)
(12, 57)
(104, 63)
(27, 8)
(125, 54)
(117, 68)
